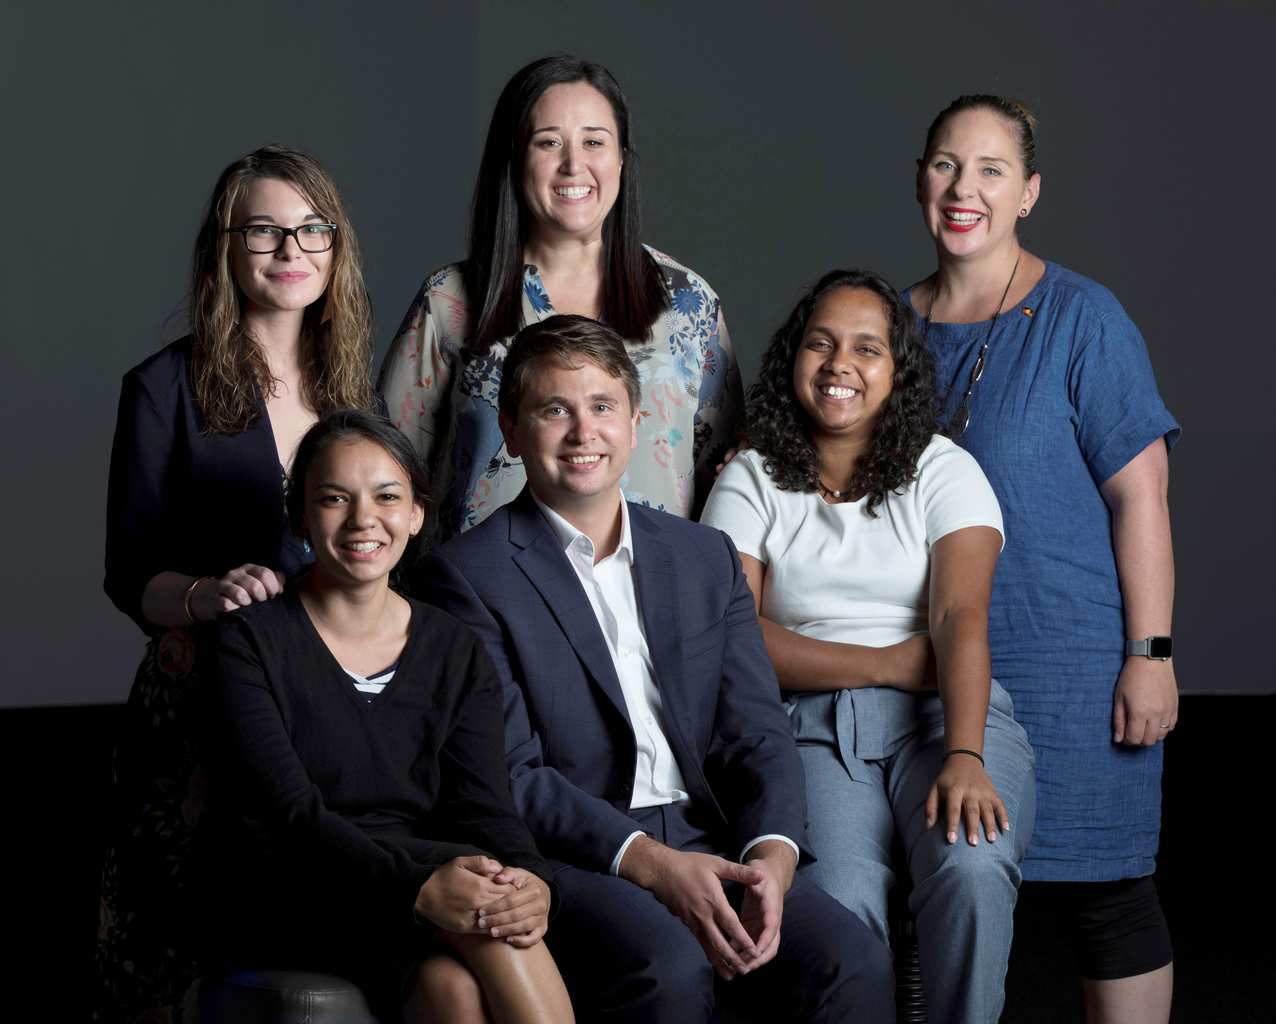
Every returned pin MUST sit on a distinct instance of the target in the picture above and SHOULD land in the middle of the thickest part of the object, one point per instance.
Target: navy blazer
(570, 745)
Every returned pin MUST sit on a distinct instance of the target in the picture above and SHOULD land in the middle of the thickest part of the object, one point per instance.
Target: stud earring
(1023, 213)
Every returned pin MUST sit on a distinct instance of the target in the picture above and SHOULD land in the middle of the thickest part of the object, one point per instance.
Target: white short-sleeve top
(836, 573)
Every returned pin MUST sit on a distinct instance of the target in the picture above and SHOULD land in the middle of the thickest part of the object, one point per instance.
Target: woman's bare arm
(1146, 701)
(805, 663)
(961, 570)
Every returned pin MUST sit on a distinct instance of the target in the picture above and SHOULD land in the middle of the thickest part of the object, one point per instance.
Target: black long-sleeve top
(316, 790)
(183, 499)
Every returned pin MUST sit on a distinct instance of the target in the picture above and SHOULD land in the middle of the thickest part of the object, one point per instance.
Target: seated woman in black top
(195, 520)
(361, 820)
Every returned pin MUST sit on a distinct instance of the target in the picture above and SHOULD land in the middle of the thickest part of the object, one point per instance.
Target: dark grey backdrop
(776, 142)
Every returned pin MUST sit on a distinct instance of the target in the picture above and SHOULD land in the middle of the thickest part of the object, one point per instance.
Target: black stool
(281, 997)
(910, 997)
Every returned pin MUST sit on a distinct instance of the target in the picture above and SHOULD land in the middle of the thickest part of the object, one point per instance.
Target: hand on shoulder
(210, 596)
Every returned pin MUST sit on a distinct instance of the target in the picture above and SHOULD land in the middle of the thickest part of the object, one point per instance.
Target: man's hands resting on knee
(763, 904)
(690, 886)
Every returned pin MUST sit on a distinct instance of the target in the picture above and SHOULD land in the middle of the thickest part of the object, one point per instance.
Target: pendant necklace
(961, 418)
(828, 492)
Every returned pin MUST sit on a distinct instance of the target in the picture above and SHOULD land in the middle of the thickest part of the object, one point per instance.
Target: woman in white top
(868, 540)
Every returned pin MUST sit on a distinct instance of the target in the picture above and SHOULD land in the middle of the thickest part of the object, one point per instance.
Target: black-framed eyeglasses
(263, 238)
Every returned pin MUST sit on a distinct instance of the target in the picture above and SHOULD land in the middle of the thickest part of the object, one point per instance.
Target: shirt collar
(570, 537)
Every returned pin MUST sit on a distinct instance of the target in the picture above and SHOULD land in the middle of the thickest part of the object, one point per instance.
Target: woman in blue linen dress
(195, 522)
(555, 229)
(1050, 387)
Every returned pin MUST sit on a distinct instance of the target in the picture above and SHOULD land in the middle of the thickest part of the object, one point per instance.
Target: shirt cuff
(620, 854)
(754, 842)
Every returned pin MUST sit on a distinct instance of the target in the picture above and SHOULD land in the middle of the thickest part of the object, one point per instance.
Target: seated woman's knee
(972, 876)
(443, 989)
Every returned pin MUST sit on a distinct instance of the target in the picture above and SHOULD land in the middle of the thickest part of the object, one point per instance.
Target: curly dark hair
(777, 424)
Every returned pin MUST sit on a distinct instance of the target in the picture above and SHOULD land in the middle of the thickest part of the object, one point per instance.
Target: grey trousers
(871, 756)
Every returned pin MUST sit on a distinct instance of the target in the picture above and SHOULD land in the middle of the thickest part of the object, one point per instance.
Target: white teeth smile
(963, 218)
(573, 192)
(363, 545)
(583, 460)
(834, 392)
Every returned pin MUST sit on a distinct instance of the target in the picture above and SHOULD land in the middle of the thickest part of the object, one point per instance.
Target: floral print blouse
(443, 396)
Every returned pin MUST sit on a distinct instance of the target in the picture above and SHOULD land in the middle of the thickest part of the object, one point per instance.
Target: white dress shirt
(609, 585)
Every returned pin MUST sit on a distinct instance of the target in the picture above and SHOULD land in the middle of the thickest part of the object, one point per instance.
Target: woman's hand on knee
(967, 796)
(520, 917)
(452, 897)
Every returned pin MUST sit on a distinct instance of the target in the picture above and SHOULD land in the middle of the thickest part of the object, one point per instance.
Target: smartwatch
(1157, 648)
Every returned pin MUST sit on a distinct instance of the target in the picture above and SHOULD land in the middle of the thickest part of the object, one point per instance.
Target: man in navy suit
(648, 748)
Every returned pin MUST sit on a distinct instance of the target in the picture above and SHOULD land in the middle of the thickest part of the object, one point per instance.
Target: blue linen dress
(1067, 399)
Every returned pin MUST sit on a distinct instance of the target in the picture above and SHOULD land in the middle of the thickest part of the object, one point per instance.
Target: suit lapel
(545, 565)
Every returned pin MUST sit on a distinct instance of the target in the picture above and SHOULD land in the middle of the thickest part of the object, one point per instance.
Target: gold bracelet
(190, 592)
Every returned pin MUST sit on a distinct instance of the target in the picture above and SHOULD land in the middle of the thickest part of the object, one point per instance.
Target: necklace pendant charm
(978, 371)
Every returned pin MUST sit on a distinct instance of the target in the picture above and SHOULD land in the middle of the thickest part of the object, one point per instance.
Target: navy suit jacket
(570, 745)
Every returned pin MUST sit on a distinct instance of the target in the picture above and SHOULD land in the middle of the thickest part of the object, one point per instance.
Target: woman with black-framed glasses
(207, 428)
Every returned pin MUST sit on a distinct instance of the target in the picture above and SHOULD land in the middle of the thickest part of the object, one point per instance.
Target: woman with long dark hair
(867, 539)
(1050, 388)
(555, 229)
(195, 514)
(361, 820)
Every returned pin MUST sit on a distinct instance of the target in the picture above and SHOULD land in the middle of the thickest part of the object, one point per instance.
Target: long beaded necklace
(961, 418)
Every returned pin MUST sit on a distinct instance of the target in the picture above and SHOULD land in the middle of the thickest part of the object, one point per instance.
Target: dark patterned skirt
(144, 956)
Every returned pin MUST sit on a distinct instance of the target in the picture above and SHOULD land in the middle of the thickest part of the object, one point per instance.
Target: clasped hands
(477, 895)
(690, 885)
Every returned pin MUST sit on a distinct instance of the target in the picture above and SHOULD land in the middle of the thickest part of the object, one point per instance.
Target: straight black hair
(633, 288)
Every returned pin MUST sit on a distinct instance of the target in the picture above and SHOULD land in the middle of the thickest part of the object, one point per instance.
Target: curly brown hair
(777, 424)
(228, 367)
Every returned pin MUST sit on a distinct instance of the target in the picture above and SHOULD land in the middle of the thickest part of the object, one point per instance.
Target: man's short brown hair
(569, 339)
